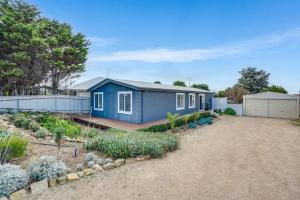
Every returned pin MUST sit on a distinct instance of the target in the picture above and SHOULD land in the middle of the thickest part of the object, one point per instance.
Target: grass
(121, 144)
(296, 122)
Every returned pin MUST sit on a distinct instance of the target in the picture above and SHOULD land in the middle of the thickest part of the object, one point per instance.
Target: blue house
(141, 102)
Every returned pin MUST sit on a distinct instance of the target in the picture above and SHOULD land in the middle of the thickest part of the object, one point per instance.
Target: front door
(202, 102)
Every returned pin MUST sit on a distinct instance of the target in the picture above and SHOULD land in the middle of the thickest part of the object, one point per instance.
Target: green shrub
(172, 120)
(34, 126)
(91, 133)
(41, 133)
(156, 128)
(205, 114)
(12, 145)
(229, 111)
(12, 178)
(22, 121)
(133, 144)
(51, 122)
(46, 167)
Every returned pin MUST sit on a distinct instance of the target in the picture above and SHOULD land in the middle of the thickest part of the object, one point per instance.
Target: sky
(194, 41)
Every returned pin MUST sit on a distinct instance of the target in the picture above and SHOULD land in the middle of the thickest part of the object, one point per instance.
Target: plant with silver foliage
(90, 157)
(46, 167)
(12, 178)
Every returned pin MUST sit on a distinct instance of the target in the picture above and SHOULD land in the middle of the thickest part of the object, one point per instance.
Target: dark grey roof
(154, 86)
(97, 82)
(84, 86)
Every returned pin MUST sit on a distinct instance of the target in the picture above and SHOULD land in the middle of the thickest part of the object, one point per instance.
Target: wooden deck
(104, 123)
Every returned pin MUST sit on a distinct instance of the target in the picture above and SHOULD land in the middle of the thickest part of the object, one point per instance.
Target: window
(125, 102)
(192, 100)
(180, 101)
(98, 101)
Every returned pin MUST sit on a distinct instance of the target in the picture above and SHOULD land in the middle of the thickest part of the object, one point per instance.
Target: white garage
(271, 104)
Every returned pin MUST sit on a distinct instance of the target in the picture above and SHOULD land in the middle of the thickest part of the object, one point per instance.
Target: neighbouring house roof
(270, 95)
(139, 85)
(86, 85)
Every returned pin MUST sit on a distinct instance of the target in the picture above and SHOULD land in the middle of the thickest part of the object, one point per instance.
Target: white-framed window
(192, 101)
(125, 102)
(180, 101)
(98, 101)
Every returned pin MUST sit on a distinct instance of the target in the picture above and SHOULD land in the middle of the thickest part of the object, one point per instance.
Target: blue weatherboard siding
(157, 104)
(110, 100)
(146, 105)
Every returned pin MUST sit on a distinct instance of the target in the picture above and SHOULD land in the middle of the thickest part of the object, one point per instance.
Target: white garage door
(283, 109)
(277, 108)
(256, 107)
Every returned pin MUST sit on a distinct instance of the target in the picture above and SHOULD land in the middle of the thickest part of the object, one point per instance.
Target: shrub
(186, 119)
(46, 167)
(192, 125)
(34, 126)
(204, 114)
(133, 144)
(41, 133)
(21, 121)
(91, 133)
(172, 120)
(156, 128)
(12, 145)
(51, 122)
(229, 111)
(195, 116)
(90, 157)
(12, 178)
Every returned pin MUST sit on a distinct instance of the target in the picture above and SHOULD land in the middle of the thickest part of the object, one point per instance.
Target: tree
(34, 48)
(157, 82)
(201, 86)
(66, 52)
(179, 83)
(21, 48)
(276, 88)
(235, 94)
(58, 136)
(220, 93)
(253, 80)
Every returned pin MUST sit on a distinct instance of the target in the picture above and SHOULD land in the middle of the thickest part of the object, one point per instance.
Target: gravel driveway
(236, 158)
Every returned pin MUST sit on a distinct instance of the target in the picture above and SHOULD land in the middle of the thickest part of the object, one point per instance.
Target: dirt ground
(236, 158)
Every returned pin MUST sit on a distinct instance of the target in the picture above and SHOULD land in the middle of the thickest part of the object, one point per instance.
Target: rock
(97, 167)
(72, 177)
(88, 171)
(130, 160)
(119, 162)
(101, 161)
(109, 166)
(141, 158)
(3, 198)
(108, 160)
(147, 157)
(39, 187)
(80, 174)
(52, 182)
(21, 194)
(62, 180)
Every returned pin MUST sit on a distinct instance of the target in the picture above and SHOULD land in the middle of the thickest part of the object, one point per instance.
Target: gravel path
(236, 158)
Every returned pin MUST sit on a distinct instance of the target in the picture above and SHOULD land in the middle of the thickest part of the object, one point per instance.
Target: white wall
(221, 103)
(43, 103)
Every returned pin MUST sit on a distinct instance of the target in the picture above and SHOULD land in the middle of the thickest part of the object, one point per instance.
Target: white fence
(41, 103)
(221, 103)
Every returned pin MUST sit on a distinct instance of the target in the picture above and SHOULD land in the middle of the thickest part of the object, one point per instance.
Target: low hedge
(179, 122)
(133, 144)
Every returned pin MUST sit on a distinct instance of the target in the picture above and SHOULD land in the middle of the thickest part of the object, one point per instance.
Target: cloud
(189, 55)
(102, 42)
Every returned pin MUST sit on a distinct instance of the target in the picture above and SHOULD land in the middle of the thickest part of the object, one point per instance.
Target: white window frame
(180, 108)
(99, 109)
(203, 102)
(193, 95)
(125, 112)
